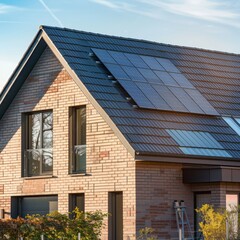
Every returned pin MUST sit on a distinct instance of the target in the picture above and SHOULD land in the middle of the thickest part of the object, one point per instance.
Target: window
(76, 200)
(78, 140)
(200, 199)
(22, 206)
(38, 142)
(115, 220)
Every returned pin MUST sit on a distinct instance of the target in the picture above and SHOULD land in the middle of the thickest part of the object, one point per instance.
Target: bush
(213, 224)
(54, 226)
(146, 234)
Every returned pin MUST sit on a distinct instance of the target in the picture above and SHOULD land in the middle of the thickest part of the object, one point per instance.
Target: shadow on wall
(42, 79)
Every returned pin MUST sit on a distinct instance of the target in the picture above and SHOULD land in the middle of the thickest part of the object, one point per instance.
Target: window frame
(26, 144)
(72, 139)
(73, 200)
(195, 207)
(238, 196)
(16, 203)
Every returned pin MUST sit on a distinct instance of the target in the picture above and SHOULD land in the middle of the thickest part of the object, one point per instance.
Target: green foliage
(213, 224)
(146, 234)
(54, 226)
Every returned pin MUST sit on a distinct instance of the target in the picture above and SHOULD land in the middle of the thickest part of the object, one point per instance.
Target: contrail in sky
(51, 13)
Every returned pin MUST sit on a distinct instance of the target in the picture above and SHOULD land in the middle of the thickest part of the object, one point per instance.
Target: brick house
(122, 125)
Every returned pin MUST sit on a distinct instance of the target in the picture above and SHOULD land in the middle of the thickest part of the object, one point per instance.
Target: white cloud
(224, 11)
(106, 3)
(4, 8)
(203, 9)
(126, 6)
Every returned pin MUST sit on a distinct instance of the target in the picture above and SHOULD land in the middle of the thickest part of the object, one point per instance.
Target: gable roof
(149, 132)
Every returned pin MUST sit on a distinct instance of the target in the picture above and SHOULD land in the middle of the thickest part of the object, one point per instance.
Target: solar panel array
(198, 143)
(154, 83)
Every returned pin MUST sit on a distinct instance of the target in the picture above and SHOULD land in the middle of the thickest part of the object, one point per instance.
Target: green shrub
(54, 226)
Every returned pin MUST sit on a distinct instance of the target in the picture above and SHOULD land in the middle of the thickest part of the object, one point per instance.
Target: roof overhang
(185, 159)
(211, 175)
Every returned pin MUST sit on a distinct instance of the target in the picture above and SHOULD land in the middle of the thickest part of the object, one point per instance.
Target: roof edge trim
(87, 93)
(196, 160)
(20, 65)
(20, 73)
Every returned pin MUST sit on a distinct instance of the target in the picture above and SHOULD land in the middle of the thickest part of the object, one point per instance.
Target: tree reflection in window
(38, 154)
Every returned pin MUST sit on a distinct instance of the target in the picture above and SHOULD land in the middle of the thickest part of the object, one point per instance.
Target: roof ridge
(143, 40)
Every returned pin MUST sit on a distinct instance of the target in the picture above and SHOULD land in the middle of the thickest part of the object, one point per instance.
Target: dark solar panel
(186, 100)
(152, 63)
(168, 96)
(134, 74)
(182, 80)
(167, 65)
(149, 75)
(136, 94)
(153, 96)
(136, 60)
(104, 56)
(117, 71)
(166, 78)
(201, 101)
(120, 58)
(165, 88)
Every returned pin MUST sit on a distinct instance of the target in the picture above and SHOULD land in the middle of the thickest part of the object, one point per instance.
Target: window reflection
(38, 157)
(232, 208)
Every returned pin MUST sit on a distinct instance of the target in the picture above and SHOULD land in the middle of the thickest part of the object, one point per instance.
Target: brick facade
(109, 166)
(149, 189)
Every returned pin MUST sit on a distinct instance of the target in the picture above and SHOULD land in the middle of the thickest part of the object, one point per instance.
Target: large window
(78, 140)
(38, 141)
(22, 206)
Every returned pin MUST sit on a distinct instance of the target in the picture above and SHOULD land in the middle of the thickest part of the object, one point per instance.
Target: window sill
(78, 174)
(39, 177)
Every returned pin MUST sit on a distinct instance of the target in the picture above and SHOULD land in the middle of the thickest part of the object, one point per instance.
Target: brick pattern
(109, 165)
(157, 186)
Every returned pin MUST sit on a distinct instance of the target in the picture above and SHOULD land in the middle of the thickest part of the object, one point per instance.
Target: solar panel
(166, 88)
(233, 123)
(198, 143)
(153, 96)
(167, 65)
(205, 152)
(152, 63)
(120, 58)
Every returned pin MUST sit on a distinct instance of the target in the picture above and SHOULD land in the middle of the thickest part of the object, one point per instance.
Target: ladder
(183, 224)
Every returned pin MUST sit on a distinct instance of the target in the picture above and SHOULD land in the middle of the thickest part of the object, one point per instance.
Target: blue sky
(211, 24)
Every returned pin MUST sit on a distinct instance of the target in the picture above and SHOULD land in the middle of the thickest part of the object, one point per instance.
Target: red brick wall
(109, 165)
(157, 186)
